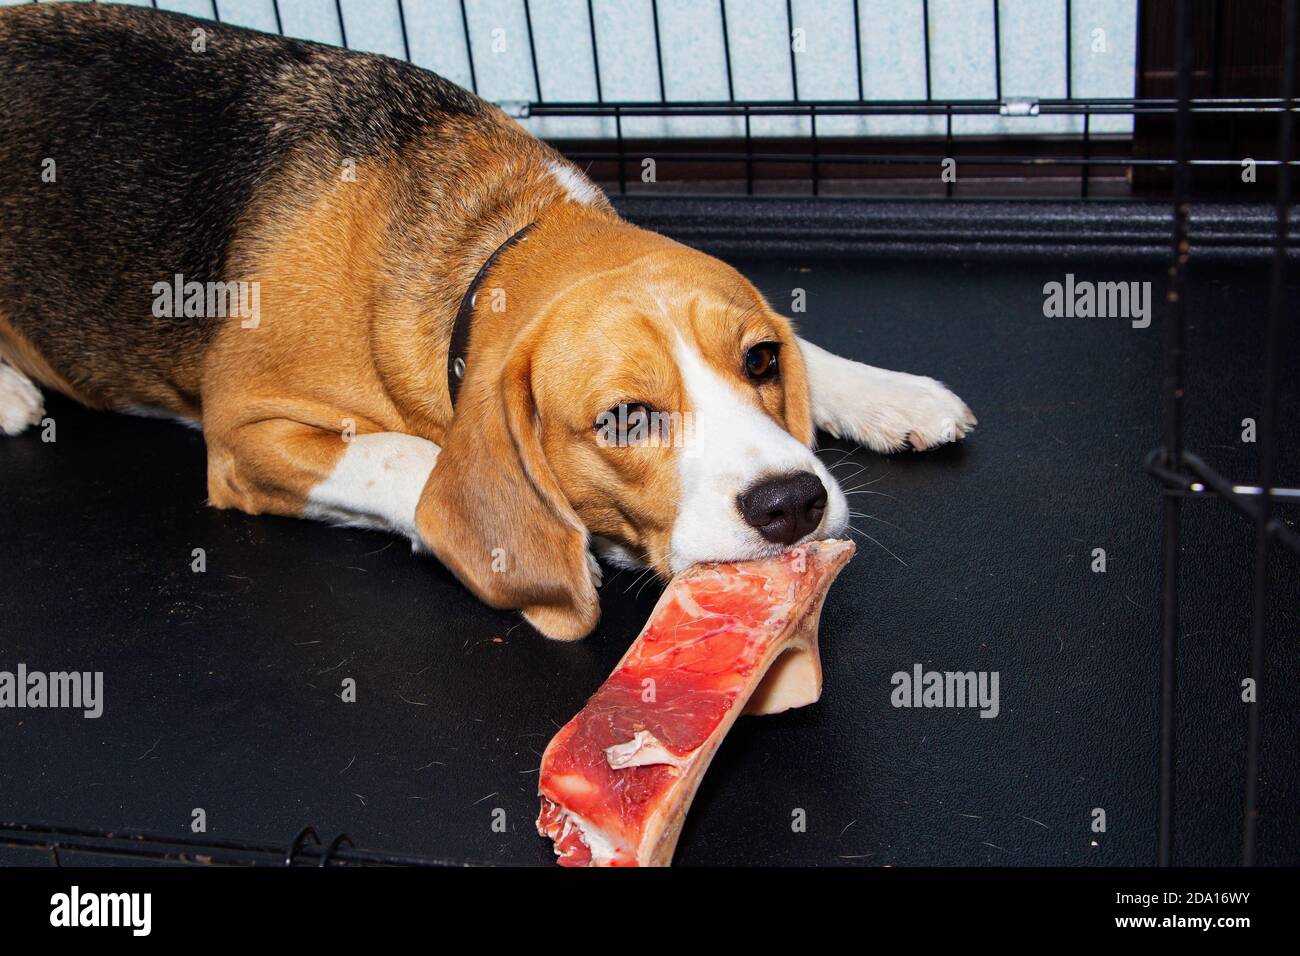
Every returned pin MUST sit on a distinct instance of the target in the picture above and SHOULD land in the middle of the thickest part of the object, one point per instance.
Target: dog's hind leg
(20, 401)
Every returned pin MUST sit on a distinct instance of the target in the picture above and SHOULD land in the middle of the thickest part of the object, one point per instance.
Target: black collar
(458, 349)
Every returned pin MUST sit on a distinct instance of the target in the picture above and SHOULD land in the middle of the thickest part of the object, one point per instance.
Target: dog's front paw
(890, 411)
(20, 401)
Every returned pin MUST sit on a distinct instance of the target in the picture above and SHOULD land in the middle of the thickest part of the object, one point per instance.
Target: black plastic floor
(223, 688)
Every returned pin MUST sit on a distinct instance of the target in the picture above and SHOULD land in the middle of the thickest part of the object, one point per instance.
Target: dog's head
(649, 405)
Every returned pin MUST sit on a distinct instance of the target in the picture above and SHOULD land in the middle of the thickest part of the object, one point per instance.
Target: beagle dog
(387, 305)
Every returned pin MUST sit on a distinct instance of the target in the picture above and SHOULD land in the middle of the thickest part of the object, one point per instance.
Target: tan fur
(278, 397)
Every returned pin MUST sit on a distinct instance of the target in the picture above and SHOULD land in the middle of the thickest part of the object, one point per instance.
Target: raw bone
(618, 778)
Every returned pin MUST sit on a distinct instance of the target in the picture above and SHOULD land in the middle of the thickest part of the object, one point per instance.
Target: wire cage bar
(851, 159)
(1180, 471)
(307, 848)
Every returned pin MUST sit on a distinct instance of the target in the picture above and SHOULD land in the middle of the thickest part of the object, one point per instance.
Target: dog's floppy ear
(493, 512)
(798, 390)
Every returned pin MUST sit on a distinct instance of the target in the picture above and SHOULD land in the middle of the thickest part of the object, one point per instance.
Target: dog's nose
(785, 509)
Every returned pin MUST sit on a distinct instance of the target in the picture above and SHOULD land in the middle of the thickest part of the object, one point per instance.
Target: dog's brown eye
(638, 414)
(761, 361)
(627, 423)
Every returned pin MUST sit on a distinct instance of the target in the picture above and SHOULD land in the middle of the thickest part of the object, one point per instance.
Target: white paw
(593, 566)
(20, 401)
(890, 411)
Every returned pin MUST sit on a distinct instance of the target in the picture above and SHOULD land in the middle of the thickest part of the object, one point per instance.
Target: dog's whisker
(849, 477)
(846, 463)
(862, 514)
(860, 491)
(652, 576)
(878, 544)
(866, 484)
(843, 453)
(845, 459)
(636, 579)
(648, 570)
(643, 584)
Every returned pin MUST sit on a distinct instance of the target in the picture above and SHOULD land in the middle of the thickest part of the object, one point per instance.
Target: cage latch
(515, 109)
(1019, 106)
